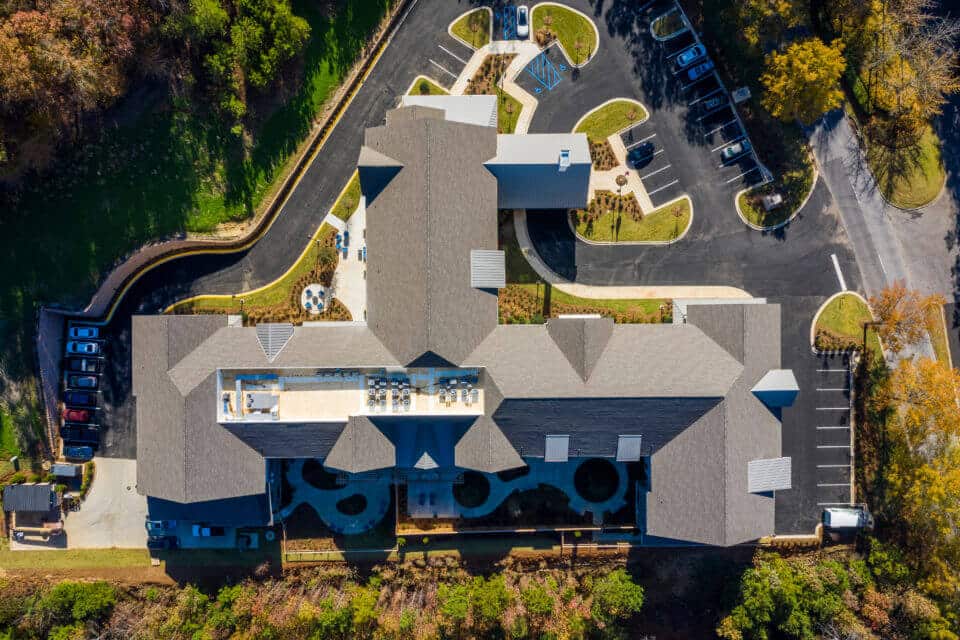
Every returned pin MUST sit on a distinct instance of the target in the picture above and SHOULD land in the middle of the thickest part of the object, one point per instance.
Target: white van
(847, 518)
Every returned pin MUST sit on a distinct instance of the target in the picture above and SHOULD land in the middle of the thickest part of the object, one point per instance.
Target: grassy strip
(473, 27)
(667, 24)
(842, 320)
(662, 225)
(910, 177)
(424, 86)
(570, 28)
(938, 333)
(793, 185)
(508, 112)
(349, 200)
(73, 558)
(603, 122)
(275, 293)
(535, 303)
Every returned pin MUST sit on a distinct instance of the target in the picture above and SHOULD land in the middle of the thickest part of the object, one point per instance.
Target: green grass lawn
(508, 112)
(72, 558)
(168, 170)
(473, 27)
(625, 305)
(911, 177)
(424, 86)
(615, 116)
(575, 33)
(349, 200)
(844, 318)
(664, 224)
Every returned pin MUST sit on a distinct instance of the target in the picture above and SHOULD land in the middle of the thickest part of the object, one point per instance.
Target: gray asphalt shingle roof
(28, 498)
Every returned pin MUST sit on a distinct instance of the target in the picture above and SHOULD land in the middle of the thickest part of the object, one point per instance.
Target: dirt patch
(601, 152)
(484, 81)
(605, 201)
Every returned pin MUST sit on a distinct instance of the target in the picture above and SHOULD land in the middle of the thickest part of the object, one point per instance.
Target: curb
(596, 33)
(611, 101)
(655, 243)
(418, 79)
(675, 34)
(779, 225)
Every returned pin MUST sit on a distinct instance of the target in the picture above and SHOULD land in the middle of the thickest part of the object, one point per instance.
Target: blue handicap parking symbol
(545, 72)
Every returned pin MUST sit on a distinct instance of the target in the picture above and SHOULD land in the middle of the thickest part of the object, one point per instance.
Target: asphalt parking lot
(446, 60)
(654, 164)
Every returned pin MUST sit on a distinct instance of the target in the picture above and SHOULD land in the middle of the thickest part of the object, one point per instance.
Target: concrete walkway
(349, 281)
(607, 180)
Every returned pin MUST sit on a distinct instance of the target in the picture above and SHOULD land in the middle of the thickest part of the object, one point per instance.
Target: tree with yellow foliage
(902, 315)
(802, 83)
(924, 469)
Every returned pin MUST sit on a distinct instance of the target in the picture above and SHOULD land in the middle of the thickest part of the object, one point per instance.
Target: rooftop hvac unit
(564, 159)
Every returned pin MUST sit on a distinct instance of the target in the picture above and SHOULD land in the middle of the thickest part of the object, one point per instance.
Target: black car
(162, 543)
(82, 381)
(80, 434)
(83, 365)
(80, 399)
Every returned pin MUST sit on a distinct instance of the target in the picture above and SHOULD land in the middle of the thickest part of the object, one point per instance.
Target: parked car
(78, 453)
(83, 348)
(162, 543)
(847, 518)
(690, 55)
(76, 415)
(82, 382)
(80, 434)
(83, 365)
(523, 22)
(735, 150)
(80, 399)
(697, 72)
(639, 153)
(715, 102)
(84, 333)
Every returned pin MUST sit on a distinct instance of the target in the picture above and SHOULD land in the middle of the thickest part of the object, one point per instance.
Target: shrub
(616, 597)
(88, 471)
(71, 602)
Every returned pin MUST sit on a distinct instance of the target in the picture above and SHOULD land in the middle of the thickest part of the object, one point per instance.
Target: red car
(75, 415)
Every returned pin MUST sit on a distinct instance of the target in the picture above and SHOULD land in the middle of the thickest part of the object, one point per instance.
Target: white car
(735, 150)
(523, 22)
(84, 333)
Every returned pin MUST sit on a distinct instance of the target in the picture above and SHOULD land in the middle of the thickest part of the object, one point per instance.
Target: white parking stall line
(836, 266)
(833, 484)
(669, 184)
(704, 97)
(833, 466)
(832, 504)
(828, 428)
(833, 409)
(832, 389)
(641, 141)
(727, 144)
(747, 172)
(831, 370)
(653, 173)
(697, 81)
(655, 153)
(452, 54)
(442, 68)
(833, 446)
(723, 126)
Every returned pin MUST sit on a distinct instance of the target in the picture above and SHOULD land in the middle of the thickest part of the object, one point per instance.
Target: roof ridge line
(428, 141)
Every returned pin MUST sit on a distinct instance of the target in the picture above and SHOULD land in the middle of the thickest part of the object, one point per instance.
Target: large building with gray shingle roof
(429, 385)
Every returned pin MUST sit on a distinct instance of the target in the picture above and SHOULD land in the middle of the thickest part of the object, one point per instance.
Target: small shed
(29, 498)
(66, 470)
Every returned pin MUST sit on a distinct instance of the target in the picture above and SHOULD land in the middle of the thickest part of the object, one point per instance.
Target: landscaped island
(473, 27)
(839, 325)
(486, 81)
(424, 86)
(613, 218)
(574, 31)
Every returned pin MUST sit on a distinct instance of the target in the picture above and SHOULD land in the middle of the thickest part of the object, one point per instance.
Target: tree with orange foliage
(901, 313)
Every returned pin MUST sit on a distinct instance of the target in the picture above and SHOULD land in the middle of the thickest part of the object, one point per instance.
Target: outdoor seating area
(313, 299)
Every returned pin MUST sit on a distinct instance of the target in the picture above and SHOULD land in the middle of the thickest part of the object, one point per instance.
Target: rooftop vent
(564, 159)
(487, 269)
(557, 449)
(273, 337)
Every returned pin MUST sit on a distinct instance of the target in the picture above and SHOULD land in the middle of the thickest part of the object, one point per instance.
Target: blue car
(690, 55)
(700, 70)
(78, 453)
